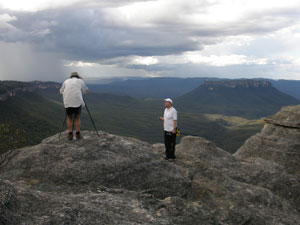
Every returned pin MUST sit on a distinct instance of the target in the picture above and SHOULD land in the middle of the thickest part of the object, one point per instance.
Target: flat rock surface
(119, 180)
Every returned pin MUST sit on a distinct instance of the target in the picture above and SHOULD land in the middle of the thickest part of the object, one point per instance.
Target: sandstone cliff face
(118, 180)
(279, 143)
(11, 88)
(238, 84)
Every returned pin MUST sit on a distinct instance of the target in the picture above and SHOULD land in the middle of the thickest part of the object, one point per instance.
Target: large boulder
(238, 192)
(92, 163)
(106, 180)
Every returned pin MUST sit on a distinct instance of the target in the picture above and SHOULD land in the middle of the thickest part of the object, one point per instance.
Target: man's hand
(161, 118)
(174, 131)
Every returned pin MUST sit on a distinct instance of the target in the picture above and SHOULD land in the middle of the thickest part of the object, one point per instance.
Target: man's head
(74, 74)
(168, 103)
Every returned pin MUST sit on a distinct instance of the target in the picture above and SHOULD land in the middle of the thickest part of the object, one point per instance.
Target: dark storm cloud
(111, 32)
(91, 34)
(85, 34)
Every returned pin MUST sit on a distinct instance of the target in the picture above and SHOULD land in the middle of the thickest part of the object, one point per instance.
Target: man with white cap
(72, 90)
(170, 124)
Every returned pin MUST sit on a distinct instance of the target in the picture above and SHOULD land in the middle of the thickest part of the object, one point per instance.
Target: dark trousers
(170, 142)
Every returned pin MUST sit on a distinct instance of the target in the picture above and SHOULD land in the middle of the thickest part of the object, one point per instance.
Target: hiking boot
(171, 160)
(70, 135)
(78, 136)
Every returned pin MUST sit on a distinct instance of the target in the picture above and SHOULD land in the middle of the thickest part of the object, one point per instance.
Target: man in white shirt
(170, 124)
(72, 90)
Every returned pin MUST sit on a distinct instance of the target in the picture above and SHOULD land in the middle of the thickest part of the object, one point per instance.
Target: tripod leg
(63, 125)
(87, 109)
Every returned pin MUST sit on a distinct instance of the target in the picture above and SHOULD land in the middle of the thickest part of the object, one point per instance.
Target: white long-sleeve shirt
(169, 116)
(72, 90)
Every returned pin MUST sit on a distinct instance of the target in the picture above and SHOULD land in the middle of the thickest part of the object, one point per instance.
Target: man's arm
(174, 121)
(84, 88)
(174, 126)
(62, 89)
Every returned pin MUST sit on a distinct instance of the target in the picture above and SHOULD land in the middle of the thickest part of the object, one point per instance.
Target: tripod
(87, 109)
(63, 125)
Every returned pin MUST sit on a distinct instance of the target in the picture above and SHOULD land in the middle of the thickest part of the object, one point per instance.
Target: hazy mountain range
(226, 112)
(173, 86)
(246, 98)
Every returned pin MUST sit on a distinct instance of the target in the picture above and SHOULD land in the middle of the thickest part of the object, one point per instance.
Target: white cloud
(139, 60)
(41, 33)
(193, 57)
(80, 64)
(120, 61)
(35, 5)
(4, 21)
(168, 14)
(215, 60)
(89, 69)
(7, 18)
(212, 60)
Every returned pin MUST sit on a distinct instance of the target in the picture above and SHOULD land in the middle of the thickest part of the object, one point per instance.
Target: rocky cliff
(11, 88)
(118, 180)
(237, 84)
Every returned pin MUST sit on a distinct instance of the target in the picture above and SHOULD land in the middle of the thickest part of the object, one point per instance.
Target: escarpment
(279, 141)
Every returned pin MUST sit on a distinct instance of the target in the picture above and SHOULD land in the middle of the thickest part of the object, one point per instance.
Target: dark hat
(74, 74)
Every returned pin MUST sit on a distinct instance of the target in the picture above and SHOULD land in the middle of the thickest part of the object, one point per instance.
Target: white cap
(169, 100)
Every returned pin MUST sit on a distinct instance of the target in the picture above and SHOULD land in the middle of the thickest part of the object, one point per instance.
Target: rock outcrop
(279, 143)
(237, 84)
(118, 180)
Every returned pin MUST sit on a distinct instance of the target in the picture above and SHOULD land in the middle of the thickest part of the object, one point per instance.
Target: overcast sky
(48, 39)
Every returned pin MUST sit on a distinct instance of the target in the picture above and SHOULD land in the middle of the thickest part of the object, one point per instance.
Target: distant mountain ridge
(290, 87)
(158, 88)
(245, 98)
(163, 87)
(10, 88)
(237, 84)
